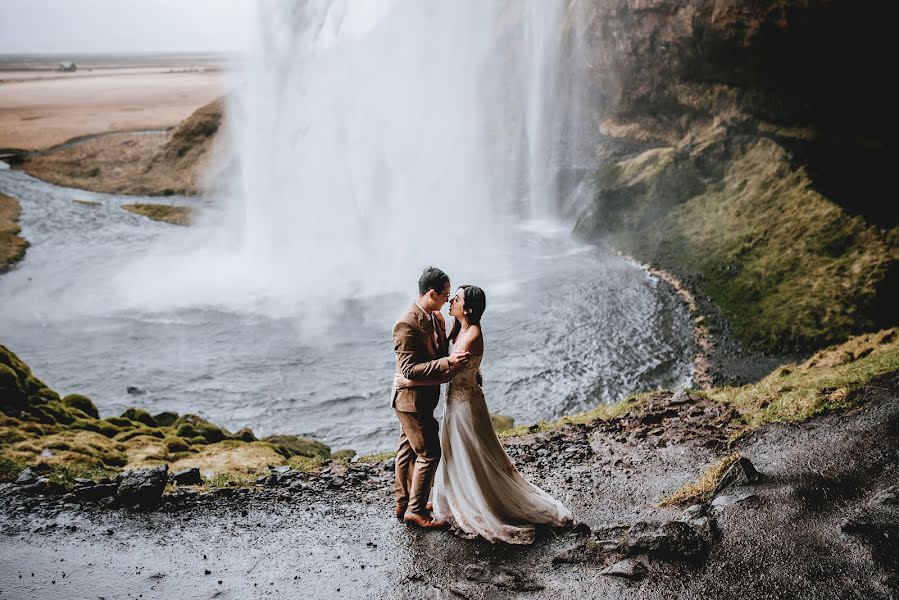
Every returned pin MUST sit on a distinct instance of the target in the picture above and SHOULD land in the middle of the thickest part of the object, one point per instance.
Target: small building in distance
(67, 66)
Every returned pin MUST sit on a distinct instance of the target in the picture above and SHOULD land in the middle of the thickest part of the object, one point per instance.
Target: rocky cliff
(744, 148)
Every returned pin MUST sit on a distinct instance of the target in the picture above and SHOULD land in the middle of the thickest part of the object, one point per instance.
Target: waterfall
(379, 136)
(376, 137)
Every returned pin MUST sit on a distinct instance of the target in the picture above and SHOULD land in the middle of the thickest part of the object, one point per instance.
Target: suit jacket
(419, 355)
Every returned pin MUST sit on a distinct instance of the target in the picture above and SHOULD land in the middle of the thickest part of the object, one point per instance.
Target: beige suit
(421, 351)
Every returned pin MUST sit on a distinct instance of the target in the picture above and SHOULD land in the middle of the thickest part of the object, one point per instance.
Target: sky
(124, 26)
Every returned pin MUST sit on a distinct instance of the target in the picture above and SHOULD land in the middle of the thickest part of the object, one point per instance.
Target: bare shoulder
(470, 340)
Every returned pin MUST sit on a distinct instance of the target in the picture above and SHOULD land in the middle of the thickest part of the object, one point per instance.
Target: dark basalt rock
(95, 493)
(143, 487)
(187, 477)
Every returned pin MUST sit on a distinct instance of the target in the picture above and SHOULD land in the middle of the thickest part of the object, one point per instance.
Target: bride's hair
(475, 304)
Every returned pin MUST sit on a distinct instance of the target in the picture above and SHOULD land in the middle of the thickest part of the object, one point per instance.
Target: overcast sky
(71, 26)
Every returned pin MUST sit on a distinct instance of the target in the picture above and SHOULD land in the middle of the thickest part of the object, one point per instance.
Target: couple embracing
(476, 487)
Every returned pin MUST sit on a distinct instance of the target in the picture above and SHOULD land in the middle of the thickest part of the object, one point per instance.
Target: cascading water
(372, 138)
(379, 136)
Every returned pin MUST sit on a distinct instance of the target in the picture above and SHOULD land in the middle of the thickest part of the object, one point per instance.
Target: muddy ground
(823, 523)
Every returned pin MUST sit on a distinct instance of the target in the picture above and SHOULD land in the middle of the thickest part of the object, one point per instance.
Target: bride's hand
(400, 382)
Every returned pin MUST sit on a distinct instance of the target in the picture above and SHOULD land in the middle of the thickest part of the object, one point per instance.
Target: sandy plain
(41, 107)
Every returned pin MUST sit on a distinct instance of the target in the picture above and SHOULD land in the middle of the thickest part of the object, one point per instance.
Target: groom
(419, 340)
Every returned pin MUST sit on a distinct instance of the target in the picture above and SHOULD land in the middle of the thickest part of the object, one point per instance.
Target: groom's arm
(406, 343)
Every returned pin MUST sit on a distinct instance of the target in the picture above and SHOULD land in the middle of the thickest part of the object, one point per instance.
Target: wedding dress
(477, 488)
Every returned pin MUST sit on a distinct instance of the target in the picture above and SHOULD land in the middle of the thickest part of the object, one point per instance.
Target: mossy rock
(100, 426)
(121, 422)
(189, 425)
(133, 433)
(177, 444)
(12, 397)
(345, 454)
(198, 440)
(165, 419)
(246, 434)
(139, 415)
(294, 445)
(82, 403)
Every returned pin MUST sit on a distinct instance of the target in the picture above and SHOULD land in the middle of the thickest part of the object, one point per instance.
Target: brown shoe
(425, 521)
(400, 511)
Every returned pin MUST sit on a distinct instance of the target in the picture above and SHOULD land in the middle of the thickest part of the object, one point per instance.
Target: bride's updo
(475, 301)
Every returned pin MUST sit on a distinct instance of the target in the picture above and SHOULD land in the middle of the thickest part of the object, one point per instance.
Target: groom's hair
(432, 278)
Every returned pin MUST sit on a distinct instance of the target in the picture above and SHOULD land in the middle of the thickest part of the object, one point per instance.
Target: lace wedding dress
(477, 488)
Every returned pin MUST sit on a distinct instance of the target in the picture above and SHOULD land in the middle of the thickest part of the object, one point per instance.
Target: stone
(95, 493)
(741, 472)
(681, 396)
(628, 568)
(504, 577)
(188, 477)
(26, 476)
(135, 391)
(142, 487)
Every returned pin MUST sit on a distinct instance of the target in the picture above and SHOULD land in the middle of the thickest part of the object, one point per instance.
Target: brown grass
(167, 213)
(701, 489)
(12, 246)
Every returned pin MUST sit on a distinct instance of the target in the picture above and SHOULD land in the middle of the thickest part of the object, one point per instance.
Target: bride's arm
(401, 382)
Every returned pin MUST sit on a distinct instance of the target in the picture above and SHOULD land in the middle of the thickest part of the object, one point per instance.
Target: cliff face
(744, 147)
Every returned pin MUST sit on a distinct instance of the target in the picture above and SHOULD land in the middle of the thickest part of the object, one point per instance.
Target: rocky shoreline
(318, 531)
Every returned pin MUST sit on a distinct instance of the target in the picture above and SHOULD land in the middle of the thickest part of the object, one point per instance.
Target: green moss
(9, 469)
(343, 455)
(176, 444)
(66, 475)
(189, 426)
(82, 403)
(603, 412)
(376, 458)
(293, 445)
(790, 269)
(139, 415)
(166, 419)
(100, 426)
(133, 433)
(502, 422)
(12, 397)
(306, 464)
(824, 383)
(246, 434)
(121, 422)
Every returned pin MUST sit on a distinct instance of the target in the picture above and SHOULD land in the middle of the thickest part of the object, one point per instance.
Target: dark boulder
(142, 487)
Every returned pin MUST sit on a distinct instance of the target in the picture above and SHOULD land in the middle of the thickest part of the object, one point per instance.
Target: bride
(477, 488)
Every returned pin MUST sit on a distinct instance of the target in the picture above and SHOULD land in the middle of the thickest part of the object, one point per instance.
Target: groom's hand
(458, 358)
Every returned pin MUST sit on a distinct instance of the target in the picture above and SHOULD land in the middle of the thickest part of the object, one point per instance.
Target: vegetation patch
(167, 213)
(12, 246)
(824, 383)
(701, 490)
(791, 270)
(39, 429)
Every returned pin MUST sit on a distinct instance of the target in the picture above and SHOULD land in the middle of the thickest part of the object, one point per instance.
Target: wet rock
(26, 476)
(135, 391)
(628, 568)
(187, 477)
(729, 500)
(504, 577)
(672, 540)
(741, 472)
(95, 493)
(681, 396)
(142, 487)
